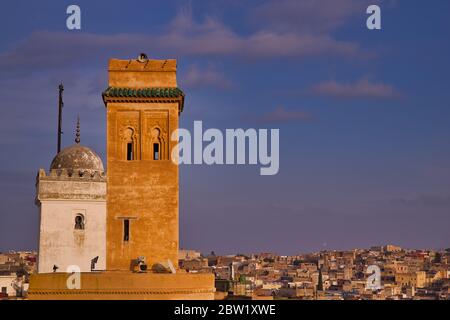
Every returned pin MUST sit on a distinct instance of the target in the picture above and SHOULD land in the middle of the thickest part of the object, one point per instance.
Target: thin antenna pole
(60, 106)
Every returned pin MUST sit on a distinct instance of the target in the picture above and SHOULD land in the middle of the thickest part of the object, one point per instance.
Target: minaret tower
(142, 104)
(72, 202)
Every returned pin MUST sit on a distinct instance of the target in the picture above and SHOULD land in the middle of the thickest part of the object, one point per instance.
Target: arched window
(79, 222)
(156, 144)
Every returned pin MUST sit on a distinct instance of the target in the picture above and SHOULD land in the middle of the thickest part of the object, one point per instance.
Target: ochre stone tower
(143, 104)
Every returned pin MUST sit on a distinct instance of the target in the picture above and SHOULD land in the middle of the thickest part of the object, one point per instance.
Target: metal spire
(60, 106)
(77, 134)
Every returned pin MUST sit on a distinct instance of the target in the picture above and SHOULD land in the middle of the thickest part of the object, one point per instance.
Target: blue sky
(363, 115)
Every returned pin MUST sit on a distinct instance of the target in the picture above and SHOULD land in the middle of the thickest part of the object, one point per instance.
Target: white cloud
(204, 76)
(362, 88)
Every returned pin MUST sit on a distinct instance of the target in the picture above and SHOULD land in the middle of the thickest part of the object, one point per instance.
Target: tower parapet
(143, 80)
(61, 184)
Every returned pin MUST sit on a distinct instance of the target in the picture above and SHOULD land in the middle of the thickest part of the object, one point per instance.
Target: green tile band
(143, 92)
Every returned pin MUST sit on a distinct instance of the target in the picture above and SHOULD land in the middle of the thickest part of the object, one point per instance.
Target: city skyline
(386, 272)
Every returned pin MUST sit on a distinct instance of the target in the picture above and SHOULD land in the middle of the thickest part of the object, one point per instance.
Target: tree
(437, 258)
(320, 281)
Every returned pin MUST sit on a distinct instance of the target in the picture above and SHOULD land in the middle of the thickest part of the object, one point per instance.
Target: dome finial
(77, 135)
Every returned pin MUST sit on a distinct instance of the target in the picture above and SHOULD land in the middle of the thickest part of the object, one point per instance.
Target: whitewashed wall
(60, 244)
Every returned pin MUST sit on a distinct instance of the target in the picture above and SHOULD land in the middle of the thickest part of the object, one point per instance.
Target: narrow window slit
(126, 230)
(156, 151)
(129, 151)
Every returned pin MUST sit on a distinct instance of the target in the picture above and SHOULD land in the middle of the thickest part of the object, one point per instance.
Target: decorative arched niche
(79, 222)
(129, 143)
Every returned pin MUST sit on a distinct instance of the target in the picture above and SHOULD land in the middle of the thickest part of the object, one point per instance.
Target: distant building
(411, 279)
(188, 254)
(7, 288)
(3, 258)
(392, 248)
(194, 264)
(387, 248)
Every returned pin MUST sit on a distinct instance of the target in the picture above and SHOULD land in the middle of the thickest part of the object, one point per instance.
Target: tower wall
(141, 112)
(61, 198)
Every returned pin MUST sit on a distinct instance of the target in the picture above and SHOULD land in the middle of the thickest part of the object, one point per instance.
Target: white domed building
(72, 203)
